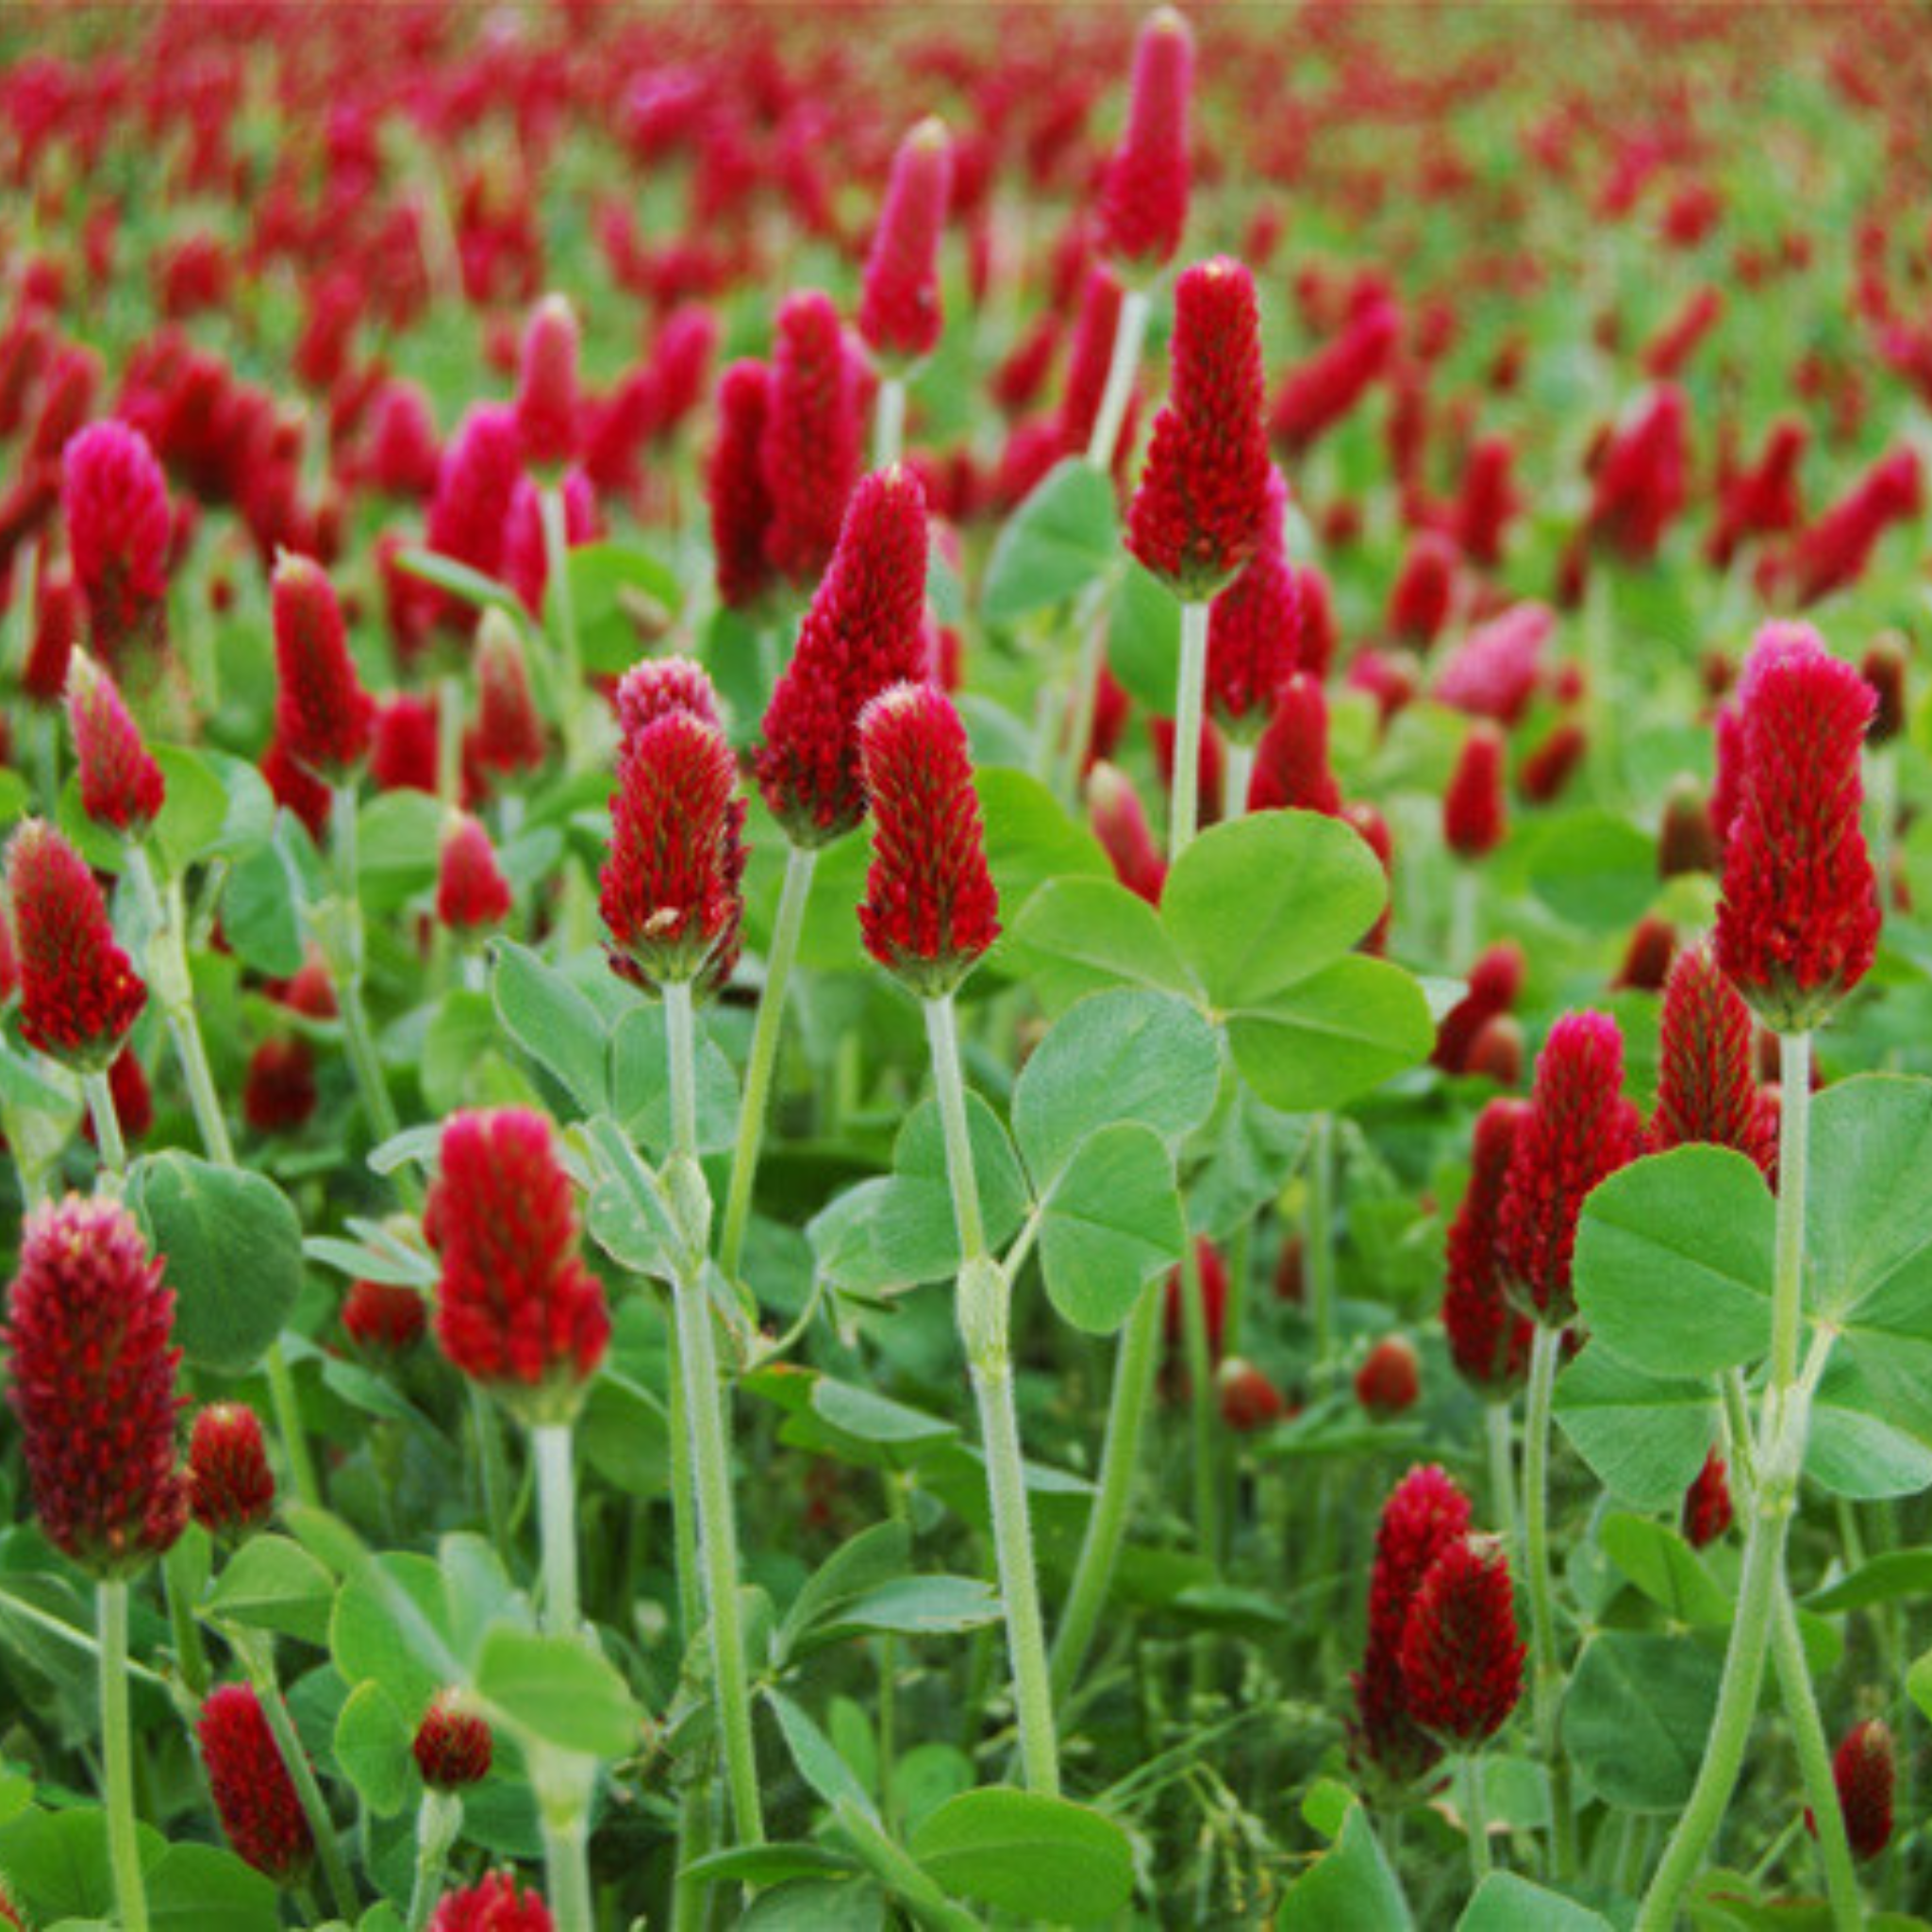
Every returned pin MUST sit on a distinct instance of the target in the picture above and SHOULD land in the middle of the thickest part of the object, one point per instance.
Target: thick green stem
(1318, 1243)
(889, 422)
(1129, 331)
(345, 970)
(100, 1107)
(567, 1871)
(1545, 1352)
(492, 1469)
(1793, 1161)
(570, 670)
(174, 988)
(556, 1520)
(191, 1653)
(1463, 905)
(800, 864)
(1199, 1348)
(984, 1292)
(1475, 1824)
(1502, 1477)
(288, 1409)
(1814, 1763)
(439, 1818)
(117, 1756)
(1237, 777)
(1183, 808)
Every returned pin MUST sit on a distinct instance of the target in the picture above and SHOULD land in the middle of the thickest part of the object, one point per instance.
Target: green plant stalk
(191, 1653)
(1814, 1763)
(1318, 1243)
(1785, 1420)
(1464, 905)
(689, 1897)
(1183, 808)
(492, 1473)
(570, 667)
(346, 972)
(256, 1651)
(1129, 332)
(117, 1753)
(1199, 1349)
(1237, 777)
(1544, 1351)
(449, 739)
(439, 1818)
(889, 422)
(704, 1417)
(1077, 719)
(800, 864)
(100, 1107)
(567, 1870)
(983, 1293)
(556, 1521)
(1474, 1825)
(1503, 1476)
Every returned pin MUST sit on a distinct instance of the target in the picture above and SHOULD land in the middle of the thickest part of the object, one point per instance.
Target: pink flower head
(516, 1309)
(507, 739)
(811, 442)
(1420, 598)
(1486, 501)
(471, 894)
(899, 300)
(1474, 814)
(1641, 481)
(325, 720)
(80, 994)
(549, 405)
(498, 1905)
(1493, 672)
(671, 890)
(1580, 1130)
(1799, 922)
(1120, 823)
(92, 1382)
(252, 1788)
(1322, 390)
(1292, 770)
(1835, 551)
(865, 632)
(1254, 629)
(1205, 491)
(120, 785)
(1461, 1660)
(735, 487)
(930, 909)
(231, 1488)
(470, 508)
(1488, 1340)
(115, 502)
(1143, 202)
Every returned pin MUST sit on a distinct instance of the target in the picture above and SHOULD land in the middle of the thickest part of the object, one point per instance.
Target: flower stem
(1191, 696)
(1502, 1477)
(570, 673)
(117, 1754)
(1237, 777)
(1129, 331)
(288, 1409)
(1814, 1762)
(567, 1871)
(439, 1818)
(889, 422)
(1475, 1824)
(100, 1107)
(550, 1443)
(800, 864)
(1794, 1160)
(1318, 1243)
(345, 970)
(1545, 1349)
(984, 1292)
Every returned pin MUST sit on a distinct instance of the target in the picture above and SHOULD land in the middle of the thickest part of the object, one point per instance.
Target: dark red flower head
(1687, 838)
(507, 739)
(1474, 814)
(1423, 1515)
(1197, 516)
(79, 993)
(1461, 1660)
(470, 508)
(1319, 392)
(56, 629)
(646, 692)
(549, 406)
(516, 1309)
(1641, 480)
(453, 1746)
(1120, 823)
(91, 1381)
(1706, 1512)
(121, 786)
(1420, 598)
(325, 720)
(1249, 1401)
(1487, 501)
(1836, 549)
(735, 487)
(670, 889)
(811, 441)
(252, 1788)
(115, 502)
(1884, 666)
(498, 1905)
(864, 633)
(231, 1488)
(899, 300)
(278, 1092)
(1865, 1770)
(1799, 922)
(1088, 364)
(1706, 1087)
(930, 909)
(1389, 1380)
(383, 1317)
(1580, 1130)
(1292, 770)
(472, 893)
(1143, 202)
(1254, 629)
(1488, 1340)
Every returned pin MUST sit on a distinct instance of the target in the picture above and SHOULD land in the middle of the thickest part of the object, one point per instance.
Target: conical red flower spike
(278, 1092)
(383, 1318)
(1640, 479)
(1087, 363)
(1253, 630)
(1423, 1515)
(1487, 501)
(1647, 956)
(1144, 202)
(115, 502)
(325, 720)
(1865, 1770)
(1420, 599)
(1580, 1130)
(1461, 1660)
(1120, 823)
(811, 441)
(231, 1488)
(453, 1745)
(470, 508)
(508, 741)
(734, 488)
(120, 785)
(1322, 390)
(516, 1309)
(1249, 1401)
(646, 692)
(92, 1382)
(1836, 549)
(899, 299)
(549, 403)
(1706, 1087)
(1494, 982)
(251, 1786)
(1799, 922)
(930, 909)
(79, 993)
(1474, 814)
(1292, 771)
(1706, 1512)
(1686, 840)
(864, 633)
(1488, 1340)
(498, 1905)
(1198, 517)
(471, 894)
(56, 629)
(1389, 1380)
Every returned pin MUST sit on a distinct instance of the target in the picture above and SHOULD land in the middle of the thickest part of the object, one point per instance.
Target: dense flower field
(958, 968)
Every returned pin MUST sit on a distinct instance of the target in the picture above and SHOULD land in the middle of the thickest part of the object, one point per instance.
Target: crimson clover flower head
(325, 720)
(453, 1745)
(810, 451)
(120, 785)
(91, 1381)
(383, 1318)
(471, 894)
(671, 889)
(1087, 363)
(1198, 517)
(1291, 769)
(1474, 814)
(1799, 920)
(55, 630)
(498, 1905)
(516, 1309)
(864, 632)
(507, 739)
(1143, 202)
(1494, 982)
(930, 909)
(549, 405)
(659, 685)
(1254, 629)
(231, 1490)
(251, 1786)
(1423, 591)
(734, 488)
(899, 299)
(1864, 1770)
(1580, 1130)
(1120, 823)
(114, 500)
(1462, 1658)
(468, 508)
(1488, 1339)
(79, 993)
(1706, 1089)
(1706, 1511)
